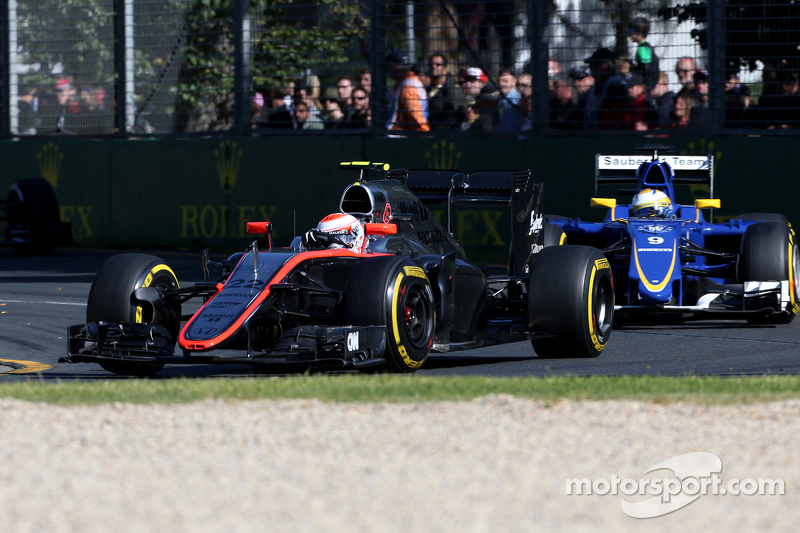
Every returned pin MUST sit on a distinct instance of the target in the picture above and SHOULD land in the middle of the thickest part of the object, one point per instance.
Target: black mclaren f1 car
(406, 290)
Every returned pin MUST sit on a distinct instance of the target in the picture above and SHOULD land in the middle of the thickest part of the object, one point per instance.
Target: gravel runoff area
(495, 464)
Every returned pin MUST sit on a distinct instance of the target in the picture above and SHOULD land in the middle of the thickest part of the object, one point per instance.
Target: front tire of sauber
(769, 253)
(571, 299)
(110, 301)
(393, 292)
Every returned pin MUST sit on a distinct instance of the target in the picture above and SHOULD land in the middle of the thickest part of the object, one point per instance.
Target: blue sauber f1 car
(669, 258)
(378, 284)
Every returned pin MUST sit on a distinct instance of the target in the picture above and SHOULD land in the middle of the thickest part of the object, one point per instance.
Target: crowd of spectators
(62, 107)
(601, 93)
(604, 93)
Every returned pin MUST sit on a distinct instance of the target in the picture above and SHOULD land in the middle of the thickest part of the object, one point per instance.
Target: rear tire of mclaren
(35, 206)
(393, 292)
(110, 301)
(570, 298)
(769, 253)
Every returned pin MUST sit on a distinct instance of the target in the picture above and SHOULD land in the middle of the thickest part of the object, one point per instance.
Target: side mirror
(380, 229)
(259, 227)
(706, 203)
(610, 203)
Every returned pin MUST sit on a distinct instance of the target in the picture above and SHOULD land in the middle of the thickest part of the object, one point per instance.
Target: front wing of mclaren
(344, 347)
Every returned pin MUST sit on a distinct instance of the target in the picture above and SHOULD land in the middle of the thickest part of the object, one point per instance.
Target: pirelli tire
(571, 300)
(769, 253)
(393, 292)
(553, 235)
(110, 301)
(764, 217)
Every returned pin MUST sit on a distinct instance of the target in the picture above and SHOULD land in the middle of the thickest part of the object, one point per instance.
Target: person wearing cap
(582, 82)
(472, 81)
(609, 106)
(782, 110)
(407, 100)
(645, 60)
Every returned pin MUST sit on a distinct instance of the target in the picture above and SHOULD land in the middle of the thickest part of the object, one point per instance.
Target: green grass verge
(394, 388)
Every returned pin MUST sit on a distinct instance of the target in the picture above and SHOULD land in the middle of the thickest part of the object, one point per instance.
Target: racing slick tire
(763, 217)
(570, 298)
(35, 205)
(769, 253)
(393, 292)
(553, 235)
(110, 301)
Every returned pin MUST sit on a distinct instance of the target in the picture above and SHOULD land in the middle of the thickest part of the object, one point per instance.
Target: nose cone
(648, 297)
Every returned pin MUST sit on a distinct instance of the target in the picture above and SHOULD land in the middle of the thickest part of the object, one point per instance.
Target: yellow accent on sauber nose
(659, 287)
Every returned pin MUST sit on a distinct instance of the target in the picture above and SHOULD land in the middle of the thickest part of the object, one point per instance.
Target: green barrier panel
(193, 193)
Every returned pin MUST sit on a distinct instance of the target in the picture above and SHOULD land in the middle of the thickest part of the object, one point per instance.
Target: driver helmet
(347, 229)
(651, 202)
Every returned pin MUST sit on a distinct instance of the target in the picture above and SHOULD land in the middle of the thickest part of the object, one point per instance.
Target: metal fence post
(376, 67)
(241, 66)
(5, 72)
(537, 16)
(120, 119)
(716, 65)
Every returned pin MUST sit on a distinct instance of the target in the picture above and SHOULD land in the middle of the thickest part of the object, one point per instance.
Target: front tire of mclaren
(571, 300)
(769, 253)
(393, 292)
(110, 301)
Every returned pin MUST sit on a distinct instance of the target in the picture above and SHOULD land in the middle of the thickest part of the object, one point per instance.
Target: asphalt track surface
(41, 296)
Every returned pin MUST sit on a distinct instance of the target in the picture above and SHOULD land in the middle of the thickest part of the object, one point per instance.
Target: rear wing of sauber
(689, 169)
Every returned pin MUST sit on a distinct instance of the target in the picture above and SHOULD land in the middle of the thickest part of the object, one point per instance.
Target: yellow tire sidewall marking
(148, 280)
(396, 330)
(30, 366)
(595, 341)
(792, 296)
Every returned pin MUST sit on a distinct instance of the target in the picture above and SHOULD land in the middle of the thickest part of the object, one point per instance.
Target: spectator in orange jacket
(408, 101)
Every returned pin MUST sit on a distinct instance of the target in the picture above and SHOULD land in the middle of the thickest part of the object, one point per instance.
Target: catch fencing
(133, 68)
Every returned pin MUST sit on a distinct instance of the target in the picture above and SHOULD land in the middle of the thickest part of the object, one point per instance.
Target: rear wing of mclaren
(688, 169)
(513, 188)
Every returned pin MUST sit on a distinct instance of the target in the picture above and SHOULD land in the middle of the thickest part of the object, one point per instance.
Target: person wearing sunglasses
(441, 109)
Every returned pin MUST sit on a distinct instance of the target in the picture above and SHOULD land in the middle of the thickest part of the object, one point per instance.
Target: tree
(754, 30)
(286, 40)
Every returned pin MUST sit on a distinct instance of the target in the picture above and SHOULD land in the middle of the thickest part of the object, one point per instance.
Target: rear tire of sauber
(553, 235)
(110, 301)
(769, 253)
(763, 217)
(393, 292)
(571, 299)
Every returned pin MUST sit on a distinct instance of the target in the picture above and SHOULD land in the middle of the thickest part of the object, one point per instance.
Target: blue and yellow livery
(670, 258)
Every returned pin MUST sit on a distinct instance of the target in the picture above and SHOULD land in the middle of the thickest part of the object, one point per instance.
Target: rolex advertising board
(194, 193)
